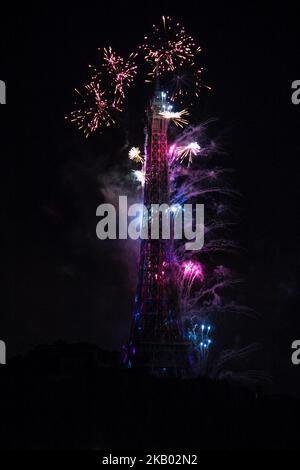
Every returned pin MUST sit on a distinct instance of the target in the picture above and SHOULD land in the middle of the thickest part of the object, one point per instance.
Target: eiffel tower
(156, 341)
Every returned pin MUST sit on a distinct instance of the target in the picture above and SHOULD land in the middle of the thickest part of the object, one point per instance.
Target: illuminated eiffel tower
(156, 341)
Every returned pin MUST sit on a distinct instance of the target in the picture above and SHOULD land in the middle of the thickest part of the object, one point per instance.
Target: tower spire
(157, 81)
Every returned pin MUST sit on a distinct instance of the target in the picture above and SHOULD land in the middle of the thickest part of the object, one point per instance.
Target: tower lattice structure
(156, 341)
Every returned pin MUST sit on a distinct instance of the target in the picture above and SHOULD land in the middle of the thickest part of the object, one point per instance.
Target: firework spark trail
(209, 293)
(199, 133)
(139, 176)
(206, 301)
(201, 183)
(203, 299)
(121, 72)
(95, 112)
(187, 190)
(189, 272)
(189, 151)
(169, 47)
(176, 117)
(135, 154)
(186, 83)
(198, 334)
(191, 142)
(116, 74)
(171, 51)
(103, 97)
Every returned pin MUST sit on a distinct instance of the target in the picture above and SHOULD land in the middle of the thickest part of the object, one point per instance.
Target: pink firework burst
(191, 270)
(116, 73)
(95, 111)
(169, 47)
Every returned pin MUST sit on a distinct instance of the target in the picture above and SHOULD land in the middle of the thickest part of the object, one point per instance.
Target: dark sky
(59, 281)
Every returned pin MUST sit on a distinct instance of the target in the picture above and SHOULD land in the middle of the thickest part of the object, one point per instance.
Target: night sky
(60, 282)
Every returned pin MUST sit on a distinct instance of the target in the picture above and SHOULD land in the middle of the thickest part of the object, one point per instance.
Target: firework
(188, 151)
(199, 334)
(172, 149)
(139, 176)
(116, 74)
(113, 61)
(172, 155)
(121, 73)
(199, 337)
(172, 52)
(176, 117)
(186, 84)
(191, 270)
(105, 94)
(95, 112)
(135, 154)
(169, 47)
